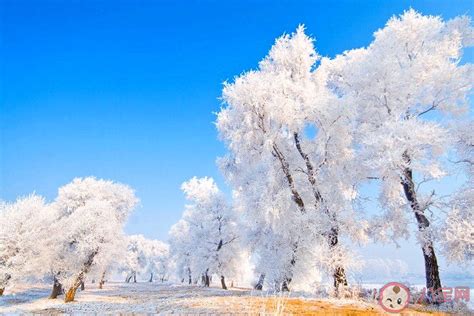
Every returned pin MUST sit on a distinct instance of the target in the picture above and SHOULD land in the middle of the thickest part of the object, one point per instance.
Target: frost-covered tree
(135, 260)
(146, 256)
(24, 224)
(210, 233)
(81, 232)
(404, 86)
(159, 253)
(295, 190)
(458, 231)
(180, 251)
(91, 216)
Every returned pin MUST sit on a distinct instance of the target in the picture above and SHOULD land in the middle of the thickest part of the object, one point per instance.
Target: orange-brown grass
(249, 305)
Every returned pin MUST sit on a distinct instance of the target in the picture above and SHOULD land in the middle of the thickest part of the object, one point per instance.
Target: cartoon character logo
(394, 297)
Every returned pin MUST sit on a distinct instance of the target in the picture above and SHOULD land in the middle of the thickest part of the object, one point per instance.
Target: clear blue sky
(126, 90)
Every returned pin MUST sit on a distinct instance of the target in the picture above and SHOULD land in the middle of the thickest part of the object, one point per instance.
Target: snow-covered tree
(296, 190)
(180, 251)
(24, 224)
(206, 239)
(146, 256)
(158, 266)
(458, 231)
(404, 86)
(91, 216)
(135, 260)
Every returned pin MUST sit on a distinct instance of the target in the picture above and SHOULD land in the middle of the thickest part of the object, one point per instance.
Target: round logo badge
(394, 297)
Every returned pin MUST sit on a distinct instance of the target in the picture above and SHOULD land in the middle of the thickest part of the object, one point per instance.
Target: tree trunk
(339, 274)
(129, 277)
(134, 277)
(285, 167)
(261, 280)
(285, 286)
(190, 279)
(83, 286)
(70, 295)
(71, 292)
(207, 279)
(151, 277)
(4, 283)
(102, 280)
(57, 289)
(433, 280)
(223, 283)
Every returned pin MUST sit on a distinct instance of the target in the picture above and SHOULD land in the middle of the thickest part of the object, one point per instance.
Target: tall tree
(212, 246)
(458, 229)
(91, 217)
(180, 251)
(24, 223)
(305, 182)
(403, 85)
(147, 257)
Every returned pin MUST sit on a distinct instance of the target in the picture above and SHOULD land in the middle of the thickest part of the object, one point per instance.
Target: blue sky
(126, 90)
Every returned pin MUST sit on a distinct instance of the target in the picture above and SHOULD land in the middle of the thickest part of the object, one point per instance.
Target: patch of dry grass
(249, 305)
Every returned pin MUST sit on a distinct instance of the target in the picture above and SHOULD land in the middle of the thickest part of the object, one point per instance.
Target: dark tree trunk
(5, 282)
(190, 279)
(285, 286)
(83, 286)
(130, 277)
(339, 274)
(207, 279)
(151, 277)
(296, 197)
(261, 280)
(134, 277)
(433, 280)
(57, 289)
(223, 283)
(285, 166)
(102, 280)
(310, 173)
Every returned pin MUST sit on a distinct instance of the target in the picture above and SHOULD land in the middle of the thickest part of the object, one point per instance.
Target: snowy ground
(152, 298)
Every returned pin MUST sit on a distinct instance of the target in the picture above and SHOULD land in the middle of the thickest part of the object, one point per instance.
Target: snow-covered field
(152, 298)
